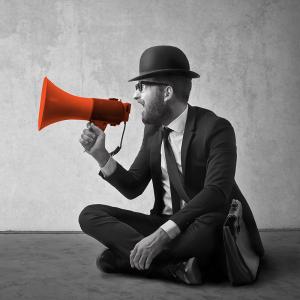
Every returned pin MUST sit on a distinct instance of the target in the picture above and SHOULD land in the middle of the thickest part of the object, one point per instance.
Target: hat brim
(186, 73)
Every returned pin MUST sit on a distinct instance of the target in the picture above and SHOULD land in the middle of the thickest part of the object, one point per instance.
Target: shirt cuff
(109, 167)
(171, 228)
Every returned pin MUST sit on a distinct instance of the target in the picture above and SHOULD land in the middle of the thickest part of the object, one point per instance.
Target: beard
(156, 111)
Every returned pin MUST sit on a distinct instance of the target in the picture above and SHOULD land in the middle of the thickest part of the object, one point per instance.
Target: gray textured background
(247, 53)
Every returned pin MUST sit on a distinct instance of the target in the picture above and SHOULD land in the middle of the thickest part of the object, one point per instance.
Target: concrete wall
(247, 53)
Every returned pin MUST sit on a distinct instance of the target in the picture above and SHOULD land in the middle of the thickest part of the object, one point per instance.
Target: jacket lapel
(188, 135)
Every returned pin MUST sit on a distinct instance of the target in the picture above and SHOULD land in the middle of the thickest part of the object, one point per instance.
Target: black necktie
(174, 175)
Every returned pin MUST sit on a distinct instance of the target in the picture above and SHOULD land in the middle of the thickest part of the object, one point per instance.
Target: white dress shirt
(175, 140)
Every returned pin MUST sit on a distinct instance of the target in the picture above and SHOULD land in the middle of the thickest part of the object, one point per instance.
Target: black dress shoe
(106, 262)
(188, 272)
(109, 262)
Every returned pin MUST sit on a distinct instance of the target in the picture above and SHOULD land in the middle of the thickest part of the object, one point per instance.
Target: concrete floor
(62, 266)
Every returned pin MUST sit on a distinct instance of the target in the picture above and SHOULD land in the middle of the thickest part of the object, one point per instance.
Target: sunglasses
(141, 84)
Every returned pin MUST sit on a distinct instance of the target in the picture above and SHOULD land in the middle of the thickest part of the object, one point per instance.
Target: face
(151, 97)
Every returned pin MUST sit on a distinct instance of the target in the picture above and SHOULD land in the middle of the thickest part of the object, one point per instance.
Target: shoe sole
(193, 275)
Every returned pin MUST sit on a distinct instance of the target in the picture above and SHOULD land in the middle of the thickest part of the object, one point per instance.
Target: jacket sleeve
(131, 183)
(219, 179)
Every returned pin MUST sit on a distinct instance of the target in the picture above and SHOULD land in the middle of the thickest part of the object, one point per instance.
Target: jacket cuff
(109, 168)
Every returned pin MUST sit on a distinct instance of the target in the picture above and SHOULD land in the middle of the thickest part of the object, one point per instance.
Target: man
(189, 153)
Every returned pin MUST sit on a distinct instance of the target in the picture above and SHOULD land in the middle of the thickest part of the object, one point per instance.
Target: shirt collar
(178, 124)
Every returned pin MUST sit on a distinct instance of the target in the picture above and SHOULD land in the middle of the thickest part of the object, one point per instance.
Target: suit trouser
(120, 229)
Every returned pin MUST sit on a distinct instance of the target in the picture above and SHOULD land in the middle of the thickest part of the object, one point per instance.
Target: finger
(88, 138)
(148, 261)
(136, 259)
(142, 261)
(133, 258)
(132, 255)
(89, 133)
(84, 144)
(130, 258)
(96, 129)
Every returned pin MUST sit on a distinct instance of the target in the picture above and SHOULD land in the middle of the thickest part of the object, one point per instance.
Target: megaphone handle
(101, 124)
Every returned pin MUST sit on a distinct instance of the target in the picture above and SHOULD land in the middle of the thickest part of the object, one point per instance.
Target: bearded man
(189, 154)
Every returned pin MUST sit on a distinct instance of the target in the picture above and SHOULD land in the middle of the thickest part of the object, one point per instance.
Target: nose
(136, 95)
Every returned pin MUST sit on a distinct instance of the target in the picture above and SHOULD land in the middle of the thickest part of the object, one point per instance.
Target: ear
(168, 93)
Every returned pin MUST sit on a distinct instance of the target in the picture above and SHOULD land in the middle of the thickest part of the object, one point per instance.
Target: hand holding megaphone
(93, 141)
(92, 137)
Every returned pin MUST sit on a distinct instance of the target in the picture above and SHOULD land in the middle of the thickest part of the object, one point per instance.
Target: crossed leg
(120, 230)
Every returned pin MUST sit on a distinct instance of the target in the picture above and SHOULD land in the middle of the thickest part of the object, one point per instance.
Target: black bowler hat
(164, 60)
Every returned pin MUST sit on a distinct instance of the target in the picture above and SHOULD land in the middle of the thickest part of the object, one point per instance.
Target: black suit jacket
(208, 157)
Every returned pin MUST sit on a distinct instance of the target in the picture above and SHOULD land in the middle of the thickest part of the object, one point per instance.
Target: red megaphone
(57, 105)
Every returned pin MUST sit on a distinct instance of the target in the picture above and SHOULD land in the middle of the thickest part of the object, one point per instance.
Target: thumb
(95, 129)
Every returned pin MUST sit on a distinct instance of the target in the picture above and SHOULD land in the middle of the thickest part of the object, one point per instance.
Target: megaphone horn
(57, 105)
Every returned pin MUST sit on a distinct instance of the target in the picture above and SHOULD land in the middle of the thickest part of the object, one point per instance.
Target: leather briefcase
(241, 260)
